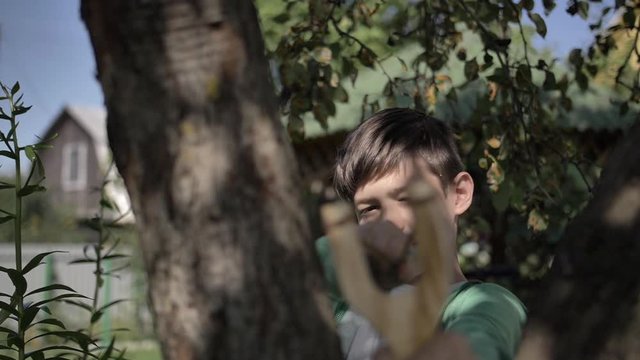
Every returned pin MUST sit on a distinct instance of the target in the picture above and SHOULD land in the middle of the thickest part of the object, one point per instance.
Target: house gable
(78, 162)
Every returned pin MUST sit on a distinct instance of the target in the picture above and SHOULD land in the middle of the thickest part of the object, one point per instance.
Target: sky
(45, 45)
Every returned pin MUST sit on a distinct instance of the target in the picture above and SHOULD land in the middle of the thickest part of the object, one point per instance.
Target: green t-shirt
(488, 315)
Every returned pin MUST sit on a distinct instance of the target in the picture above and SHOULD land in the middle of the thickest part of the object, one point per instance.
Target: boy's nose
(401, 218)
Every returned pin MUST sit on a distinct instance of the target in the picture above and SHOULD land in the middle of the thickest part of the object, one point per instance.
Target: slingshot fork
(405, 319)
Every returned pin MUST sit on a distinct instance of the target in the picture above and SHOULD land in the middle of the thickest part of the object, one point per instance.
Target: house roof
(93, 120)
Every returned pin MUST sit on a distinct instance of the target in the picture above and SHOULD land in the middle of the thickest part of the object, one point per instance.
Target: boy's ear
(462, 190)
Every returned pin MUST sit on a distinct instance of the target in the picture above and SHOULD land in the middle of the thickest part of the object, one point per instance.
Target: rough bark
(588, 306)
(193, 128)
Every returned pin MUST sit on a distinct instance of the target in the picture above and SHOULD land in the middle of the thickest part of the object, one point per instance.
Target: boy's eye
(367, 210)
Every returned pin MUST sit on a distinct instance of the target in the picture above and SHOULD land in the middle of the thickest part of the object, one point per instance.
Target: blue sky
(45, 46)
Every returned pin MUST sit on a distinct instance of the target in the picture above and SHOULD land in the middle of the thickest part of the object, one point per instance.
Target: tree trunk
(588, 307)
(194, 131)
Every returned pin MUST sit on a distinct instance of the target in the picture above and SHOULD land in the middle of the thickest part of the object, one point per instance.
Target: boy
(375, 165)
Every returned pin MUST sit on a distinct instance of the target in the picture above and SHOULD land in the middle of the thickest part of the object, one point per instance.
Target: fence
(129, 284)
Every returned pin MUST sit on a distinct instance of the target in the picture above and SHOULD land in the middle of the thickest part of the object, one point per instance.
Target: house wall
(83, 202)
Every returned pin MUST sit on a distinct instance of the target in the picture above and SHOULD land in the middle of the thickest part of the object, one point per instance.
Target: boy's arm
(490, 318)
(481, 321)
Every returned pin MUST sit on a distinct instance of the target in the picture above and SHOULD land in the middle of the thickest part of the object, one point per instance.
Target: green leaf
(104, 203)
(341, 94)
(28, 316)
(5, 357)
(629, 17)
(8, 331)
(295, 127)
(51, 287)
(16, 341)
(462, 54)
(366, 57)
(59, 297)
(7, 309)
(403, 64)
(488, 59)
(79, 304)
(563, 84)
(471, 69)
(583, 10)
(566, 103)
(30, 152)
(15, 88)
(5, 219)
(21, 110)
(392, 40)
(8, 154)
(115, 256)
(51, 321)
(38, 356)
(281, 18)
(452, 95)
(35, 261)
(80, 338)
(96, 316)
(575, 58)
(29, 189)
(541, 27)
(500, 198)
(582, 80)
(18, 281)
(549, 81)
(624, 108)
(321, 114)
(523, 75)
(107, 353)
(347, 66)
(549, 5)
(81, 261)
(4, 116)
(58, 347)
(499, 76)
(12, 131)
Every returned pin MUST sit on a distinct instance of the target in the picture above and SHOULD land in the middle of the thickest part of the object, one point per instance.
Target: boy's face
(387, 219)
(385, 198)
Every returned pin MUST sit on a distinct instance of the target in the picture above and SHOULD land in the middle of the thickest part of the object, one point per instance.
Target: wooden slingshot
(405, 319)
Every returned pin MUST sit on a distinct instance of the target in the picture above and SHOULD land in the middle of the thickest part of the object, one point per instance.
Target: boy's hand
(389, 252)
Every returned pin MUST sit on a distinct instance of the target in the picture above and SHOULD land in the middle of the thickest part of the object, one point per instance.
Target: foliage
(42, 221)
(103, 253)
(534, 172)
(32, 330)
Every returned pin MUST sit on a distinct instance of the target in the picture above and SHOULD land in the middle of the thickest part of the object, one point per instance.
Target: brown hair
(380, 143)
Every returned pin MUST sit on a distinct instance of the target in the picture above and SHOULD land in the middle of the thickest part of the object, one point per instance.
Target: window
(74, 166)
